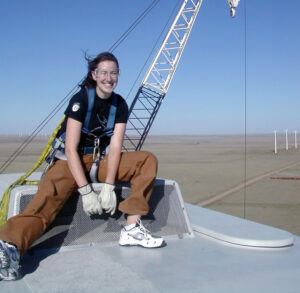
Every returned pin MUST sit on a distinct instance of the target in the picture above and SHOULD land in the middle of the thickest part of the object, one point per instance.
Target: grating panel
(73, 227)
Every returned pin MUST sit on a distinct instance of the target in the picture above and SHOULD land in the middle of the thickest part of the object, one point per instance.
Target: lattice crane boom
(161, 72)
(158, 78)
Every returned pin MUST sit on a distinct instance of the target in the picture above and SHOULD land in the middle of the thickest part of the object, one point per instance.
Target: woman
(71, 171)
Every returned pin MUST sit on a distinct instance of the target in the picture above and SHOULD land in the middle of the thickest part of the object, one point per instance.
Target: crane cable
(58, 107)
(133, 25)
(23, 179)
(152, 50)
(149, 55)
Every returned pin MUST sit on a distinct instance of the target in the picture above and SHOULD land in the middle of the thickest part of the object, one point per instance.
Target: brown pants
(57, 185)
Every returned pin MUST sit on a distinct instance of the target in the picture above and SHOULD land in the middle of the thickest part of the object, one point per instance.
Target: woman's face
(106, 76)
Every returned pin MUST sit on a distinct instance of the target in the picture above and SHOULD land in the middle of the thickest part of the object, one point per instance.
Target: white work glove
(90, 202)
(107, 198)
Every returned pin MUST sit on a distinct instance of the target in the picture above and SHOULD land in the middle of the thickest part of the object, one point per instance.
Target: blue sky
(42, 59)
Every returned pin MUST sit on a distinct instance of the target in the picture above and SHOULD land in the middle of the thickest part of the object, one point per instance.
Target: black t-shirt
(77, 109)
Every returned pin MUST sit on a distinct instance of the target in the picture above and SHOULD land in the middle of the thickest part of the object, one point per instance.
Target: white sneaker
(9, 261)
(139, 235)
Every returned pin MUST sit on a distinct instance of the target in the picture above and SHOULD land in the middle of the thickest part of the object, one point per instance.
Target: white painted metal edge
(237, 231)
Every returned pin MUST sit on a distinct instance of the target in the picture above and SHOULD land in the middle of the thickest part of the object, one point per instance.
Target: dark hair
(92, 65)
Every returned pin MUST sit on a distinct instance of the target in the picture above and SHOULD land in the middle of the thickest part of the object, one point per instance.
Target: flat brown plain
(230, 173)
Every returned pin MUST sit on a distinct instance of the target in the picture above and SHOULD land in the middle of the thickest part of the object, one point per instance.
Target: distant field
(212, 170)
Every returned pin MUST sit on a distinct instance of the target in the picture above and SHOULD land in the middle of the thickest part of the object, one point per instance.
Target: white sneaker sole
(133, 242)
(9, 276)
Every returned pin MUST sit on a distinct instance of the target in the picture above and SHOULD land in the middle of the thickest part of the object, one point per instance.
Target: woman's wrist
(110, 182)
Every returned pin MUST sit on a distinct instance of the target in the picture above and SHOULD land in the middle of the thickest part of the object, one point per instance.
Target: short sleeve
(77, 107)
(122, 111)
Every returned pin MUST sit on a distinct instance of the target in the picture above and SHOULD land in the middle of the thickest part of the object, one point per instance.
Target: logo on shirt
(75, 107)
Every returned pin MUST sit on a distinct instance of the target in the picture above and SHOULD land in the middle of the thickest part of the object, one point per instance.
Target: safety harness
(58, 145)
(50, 152)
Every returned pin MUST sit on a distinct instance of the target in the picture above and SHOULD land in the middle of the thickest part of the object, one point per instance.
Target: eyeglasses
(102, 73)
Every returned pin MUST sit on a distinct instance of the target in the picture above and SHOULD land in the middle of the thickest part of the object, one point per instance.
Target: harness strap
(94, 170)
(112, 115)
(91, 98)
(58, 145)
(108, 132)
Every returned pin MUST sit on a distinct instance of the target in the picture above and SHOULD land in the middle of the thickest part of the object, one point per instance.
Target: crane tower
(159, 76)
(157, 80)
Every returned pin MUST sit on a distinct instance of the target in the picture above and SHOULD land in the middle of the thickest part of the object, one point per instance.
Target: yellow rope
(23, 179)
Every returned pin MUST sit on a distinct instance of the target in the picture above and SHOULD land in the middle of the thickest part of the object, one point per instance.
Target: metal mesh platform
(72, 226)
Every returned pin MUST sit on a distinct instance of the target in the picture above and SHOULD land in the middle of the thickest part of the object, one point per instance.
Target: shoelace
(142, 228)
